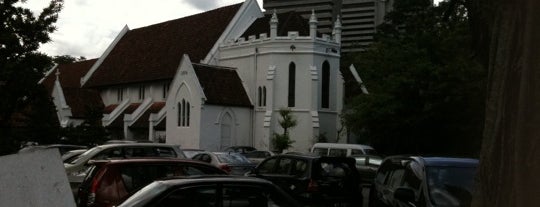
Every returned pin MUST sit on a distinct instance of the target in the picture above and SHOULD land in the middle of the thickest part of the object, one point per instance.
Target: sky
(87, 27)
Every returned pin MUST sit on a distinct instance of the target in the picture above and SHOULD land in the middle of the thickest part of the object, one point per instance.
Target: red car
(110, 182)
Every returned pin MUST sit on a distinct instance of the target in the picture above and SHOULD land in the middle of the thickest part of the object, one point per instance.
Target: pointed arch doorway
(226, 131)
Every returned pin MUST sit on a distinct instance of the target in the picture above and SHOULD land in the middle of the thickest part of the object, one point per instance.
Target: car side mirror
(405, 195)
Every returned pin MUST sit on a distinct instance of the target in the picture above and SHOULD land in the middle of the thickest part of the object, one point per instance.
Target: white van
(341, 150)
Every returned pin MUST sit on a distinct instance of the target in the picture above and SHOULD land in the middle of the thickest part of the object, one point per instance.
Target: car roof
(450, 161)
(211, 179)
(432, 161)
(135, 144)
(145, 161)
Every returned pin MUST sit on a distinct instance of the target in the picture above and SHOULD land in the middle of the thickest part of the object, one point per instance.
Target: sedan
(211, 191)
(233, 163)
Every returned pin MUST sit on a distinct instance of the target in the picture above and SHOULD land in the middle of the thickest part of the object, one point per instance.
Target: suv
(423, 181)
(109, 182)
(314, 180)
(76, 169)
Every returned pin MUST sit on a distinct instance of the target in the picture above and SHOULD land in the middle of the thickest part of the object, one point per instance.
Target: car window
(356, 152)
(338, 153)
(284, 166)
(165, 152)
(205, 196)
(395, 178)
(267, 166)
(247, 196)
(109, 154)
(300, 168)
(383, 172)
(232, 158)
(320, 151)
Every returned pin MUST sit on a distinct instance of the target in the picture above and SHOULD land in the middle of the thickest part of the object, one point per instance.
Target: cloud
(203, 5)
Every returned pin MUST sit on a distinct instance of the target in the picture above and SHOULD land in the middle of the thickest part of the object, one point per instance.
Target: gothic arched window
(325, 84)
(292, 84)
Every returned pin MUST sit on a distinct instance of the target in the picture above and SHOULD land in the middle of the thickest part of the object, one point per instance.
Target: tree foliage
(21, 65)
(426, 89)
(283, 141)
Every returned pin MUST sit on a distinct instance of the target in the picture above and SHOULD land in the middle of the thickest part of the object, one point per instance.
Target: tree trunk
(509, 172)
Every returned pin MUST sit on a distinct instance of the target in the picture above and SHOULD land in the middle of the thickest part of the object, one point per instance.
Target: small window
(300, 168)
(165, 90)
(120, 94)
(264, 95)
(142, 90)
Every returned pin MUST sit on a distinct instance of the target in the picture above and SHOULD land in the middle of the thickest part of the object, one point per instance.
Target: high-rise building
(359, 18)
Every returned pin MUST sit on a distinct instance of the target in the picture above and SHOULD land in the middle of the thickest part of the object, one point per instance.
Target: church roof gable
(154, 52)
(221, 86)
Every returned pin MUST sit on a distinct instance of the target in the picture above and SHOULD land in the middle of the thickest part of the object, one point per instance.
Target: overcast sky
(87, 27)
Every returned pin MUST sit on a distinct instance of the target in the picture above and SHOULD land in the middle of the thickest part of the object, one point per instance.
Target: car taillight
(92, 193)
(313, 186)
(225, 168)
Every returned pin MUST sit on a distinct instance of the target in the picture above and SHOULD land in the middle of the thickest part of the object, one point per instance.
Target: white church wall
(211, 117)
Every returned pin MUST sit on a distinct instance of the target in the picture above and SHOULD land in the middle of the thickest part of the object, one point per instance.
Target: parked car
(258, 155)
(62, 148)
(367, 166)
(109, 182)
(211, 191)
(76, 169)
(341, 150)
(190, 153)
(233, 163)
(72, 155)
(240, 149)
(312, 179)
(424, 181)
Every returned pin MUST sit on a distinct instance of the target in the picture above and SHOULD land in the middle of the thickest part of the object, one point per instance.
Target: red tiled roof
(142, 122)
(80, 100)
(221, 85)
(287, 22)
(110, 108)
(154, 52)
(119, 121)
(70, 74)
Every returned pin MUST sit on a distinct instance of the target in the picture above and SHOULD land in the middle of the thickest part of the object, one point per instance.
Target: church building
(211, 80)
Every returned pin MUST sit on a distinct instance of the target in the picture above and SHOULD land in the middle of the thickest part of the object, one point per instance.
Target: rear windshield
(137, 176)
(336, 168)
(232, 158)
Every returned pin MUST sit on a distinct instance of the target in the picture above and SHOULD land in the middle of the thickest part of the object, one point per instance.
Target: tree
(21, 65)
(507, 35)
(283, 141)
(90, 132)
(426, 88)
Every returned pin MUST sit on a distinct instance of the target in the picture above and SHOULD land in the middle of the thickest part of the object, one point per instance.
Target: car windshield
(232, 158)
(450, 186)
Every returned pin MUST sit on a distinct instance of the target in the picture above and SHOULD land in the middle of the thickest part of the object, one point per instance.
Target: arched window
(264, 95)
(260, 96)
(183, 113)
(325, 82)
(292, 84)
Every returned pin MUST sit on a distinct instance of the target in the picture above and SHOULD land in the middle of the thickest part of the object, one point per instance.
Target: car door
(283, 172)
